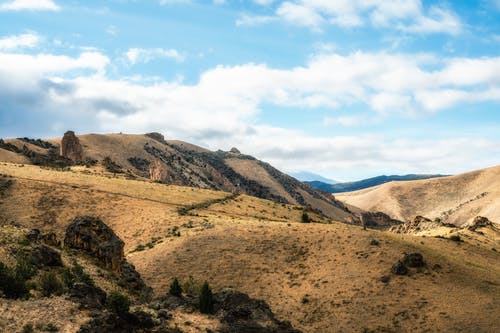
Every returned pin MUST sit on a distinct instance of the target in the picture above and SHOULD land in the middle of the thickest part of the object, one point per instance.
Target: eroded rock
(71, 147)
(91, 235)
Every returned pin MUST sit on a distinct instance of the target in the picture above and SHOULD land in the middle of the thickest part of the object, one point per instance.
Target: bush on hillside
(206, 299)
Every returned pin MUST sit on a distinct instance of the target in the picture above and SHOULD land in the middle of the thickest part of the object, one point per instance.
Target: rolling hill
(365, 183)
(322, 277)
(454, 199)
(175, 162)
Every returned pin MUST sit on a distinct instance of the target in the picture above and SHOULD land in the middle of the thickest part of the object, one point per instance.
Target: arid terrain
(322, 276)
(454, 199)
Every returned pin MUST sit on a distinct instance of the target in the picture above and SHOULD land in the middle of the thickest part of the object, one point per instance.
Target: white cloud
(250, 20)
(405, 15)
(30, 5)
(136, 55)
(263, 2)
(29, 40)
(222, 108)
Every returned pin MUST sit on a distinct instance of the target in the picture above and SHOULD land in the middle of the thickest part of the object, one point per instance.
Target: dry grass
(460, 197)
(321, 277)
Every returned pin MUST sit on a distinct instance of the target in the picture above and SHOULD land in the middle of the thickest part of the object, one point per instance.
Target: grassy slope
(259, 247)
(465, 196)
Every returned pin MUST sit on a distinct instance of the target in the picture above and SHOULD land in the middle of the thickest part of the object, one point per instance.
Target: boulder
(91, 235)
(399, 268)
(50, 238)
(89, 297)
(42, 255)
(235, 150)
(414, 260)
(33, 235)
(71, 147)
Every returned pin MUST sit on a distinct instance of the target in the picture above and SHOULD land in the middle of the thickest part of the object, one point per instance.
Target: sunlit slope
(322, 277)
(455, 199)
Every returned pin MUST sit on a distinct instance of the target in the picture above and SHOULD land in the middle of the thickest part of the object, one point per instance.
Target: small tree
(206, 299)
(50, 284)
(175, 288)
(305, 218)
(118, 303)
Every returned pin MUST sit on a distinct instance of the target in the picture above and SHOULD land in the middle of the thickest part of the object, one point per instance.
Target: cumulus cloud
(17, 5)
(221, 110)
(137, 55)
(406, 15)
(28, 40)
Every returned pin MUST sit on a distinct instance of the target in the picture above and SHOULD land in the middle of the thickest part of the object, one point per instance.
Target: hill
(174, 162)
(305, 176)
(454, 199)
(323, 276)
(365, 183)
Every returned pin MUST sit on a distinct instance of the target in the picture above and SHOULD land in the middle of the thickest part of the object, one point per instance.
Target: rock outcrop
(479, 222)
(91, 235)
(43, 256)
(71, 147)
(419, 224)
(235, 150)
(377, 220)
(158, 171)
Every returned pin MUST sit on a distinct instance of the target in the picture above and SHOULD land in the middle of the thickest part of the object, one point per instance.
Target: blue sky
(347, 89)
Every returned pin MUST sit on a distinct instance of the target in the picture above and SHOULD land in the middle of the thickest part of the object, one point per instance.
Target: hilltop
(453, 199)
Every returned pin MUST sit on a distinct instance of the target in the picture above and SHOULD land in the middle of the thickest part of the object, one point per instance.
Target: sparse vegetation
(191, 286)
(50, 284)
(118, 303)
(13, 281)
(305, 218)
(206, 299)
(175, 288)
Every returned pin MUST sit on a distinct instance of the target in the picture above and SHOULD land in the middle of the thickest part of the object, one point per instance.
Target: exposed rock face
(89, 297)
(71, 147)
(157, 171)
(418, 224)
(479, 222)
(240, 313)
(235, 150)
(377, 219)
(42, 255)
(90, 234)
(156, 136)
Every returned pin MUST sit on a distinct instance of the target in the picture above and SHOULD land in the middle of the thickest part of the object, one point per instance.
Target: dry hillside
(179, 163)
(323, 276)
(455, 199)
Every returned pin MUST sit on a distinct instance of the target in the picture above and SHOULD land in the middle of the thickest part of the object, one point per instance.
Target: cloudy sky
(346, 88)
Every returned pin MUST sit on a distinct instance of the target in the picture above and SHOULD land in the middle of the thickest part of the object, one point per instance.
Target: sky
(347, 89)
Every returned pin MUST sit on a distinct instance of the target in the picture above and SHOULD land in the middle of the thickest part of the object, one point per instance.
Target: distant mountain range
(305, 176)
(365, 183)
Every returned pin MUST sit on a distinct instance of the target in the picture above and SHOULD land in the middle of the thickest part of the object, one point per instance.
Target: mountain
(454, 199)
(365, 183)
(256, 254)
(305, 176)
(173, 162)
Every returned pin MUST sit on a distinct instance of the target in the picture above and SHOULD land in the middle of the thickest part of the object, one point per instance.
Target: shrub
(76, 274)
(206, 299)
(118, 303)
(28, 328)
(175, 288)
(50, 284)
(191, 286)
(12, 282)
(456, 238)
(305, 218)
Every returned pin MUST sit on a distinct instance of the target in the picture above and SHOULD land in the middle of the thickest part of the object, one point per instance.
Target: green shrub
(191, 286)
(175, 288)
(12, 284)
(28, 328)
(50, 284)
(206, 299)
(76, 274)
(305, 218)
(118, 303)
